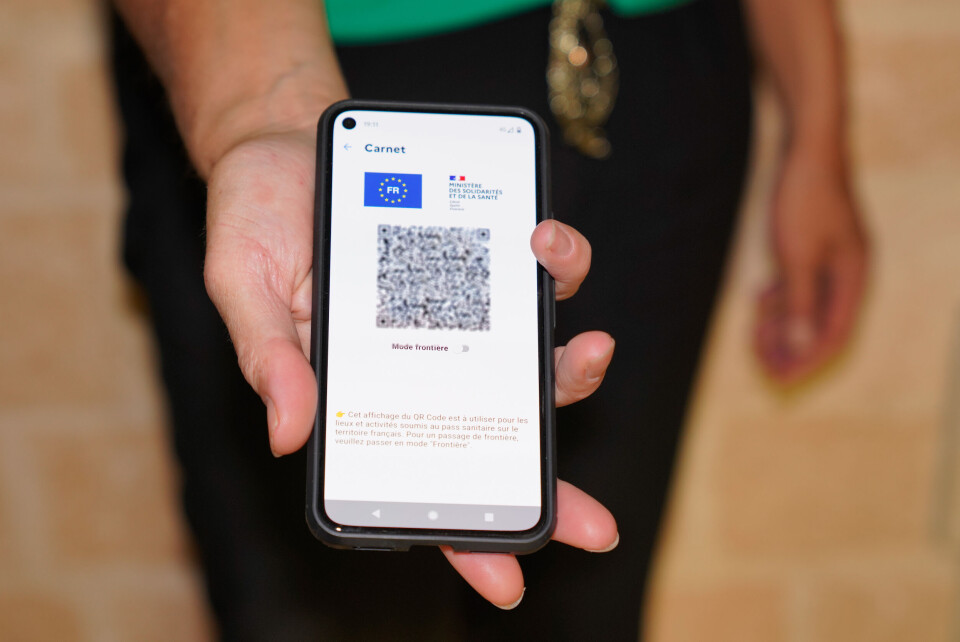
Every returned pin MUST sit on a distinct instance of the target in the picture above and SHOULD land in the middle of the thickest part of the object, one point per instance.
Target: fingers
(581, 522)
(580, 368)
(495, 576)
(581, 365)
(848, 279)
(565, 254)
(769, 329)
(805, 321)
(787, 326)
(787, 345)
(800, 330)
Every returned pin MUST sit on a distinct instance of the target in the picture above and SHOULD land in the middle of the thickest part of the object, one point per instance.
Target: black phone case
(371, 538)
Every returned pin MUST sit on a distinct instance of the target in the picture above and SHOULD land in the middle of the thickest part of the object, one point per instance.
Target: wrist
(292, 101)
(817, 132)
(819, 144)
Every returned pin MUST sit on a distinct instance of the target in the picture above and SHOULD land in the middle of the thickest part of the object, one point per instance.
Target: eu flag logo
(392, 190)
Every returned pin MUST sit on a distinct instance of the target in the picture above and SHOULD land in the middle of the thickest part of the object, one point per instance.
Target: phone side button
(372, 548)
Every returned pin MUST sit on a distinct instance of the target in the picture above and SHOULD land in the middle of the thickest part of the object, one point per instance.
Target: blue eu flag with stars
(392, 190)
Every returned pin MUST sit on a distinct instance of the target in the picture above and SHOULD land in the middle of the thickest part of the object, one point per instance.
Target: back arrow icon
(347, 147)
(376, 513)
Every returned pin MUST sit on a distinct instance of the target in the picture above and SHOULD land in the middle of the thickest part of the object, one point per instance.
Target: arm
(235, 69)
(819, 245)
(248, 80)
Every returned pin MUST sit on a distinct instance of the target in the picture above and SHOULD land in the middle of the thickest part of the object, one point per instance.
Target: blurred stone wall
(91, 541)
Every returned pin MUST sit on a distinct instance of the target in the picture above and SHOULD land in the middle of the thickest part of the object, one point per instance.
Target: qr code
(433, 277)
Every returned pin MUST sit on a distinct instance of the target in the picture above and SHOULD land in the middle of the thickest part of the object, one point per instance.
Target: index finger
(564, 252)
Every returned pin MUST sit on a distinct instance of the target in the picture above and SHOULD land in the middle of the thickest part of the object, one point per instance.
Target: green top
(372, 21)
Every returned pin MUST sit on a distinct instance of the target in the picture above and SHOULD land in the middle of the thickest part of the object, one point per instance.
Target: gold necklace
(582, 75)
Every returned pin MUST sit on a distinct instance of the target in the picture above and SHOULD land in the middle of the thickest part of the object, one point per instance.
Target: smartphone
(432, 337)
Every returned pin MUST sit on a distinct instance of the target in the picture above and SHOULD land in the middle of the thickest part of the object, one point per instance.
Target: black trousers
(659, 213)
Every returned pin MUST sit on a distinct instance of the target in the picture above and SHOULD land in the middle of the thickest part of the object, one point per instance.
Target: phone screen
(432, 383)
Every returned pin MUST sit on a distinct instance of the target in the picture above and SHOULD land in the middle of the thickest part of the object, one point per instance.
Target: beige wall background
(829, 513)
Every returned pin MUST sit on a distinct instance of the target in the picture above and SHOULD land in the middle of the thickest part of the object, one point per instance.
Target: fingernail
(510, 607)
(800, 335)
(597, 367)
(273, 420)
(559, 242)
(612, 546)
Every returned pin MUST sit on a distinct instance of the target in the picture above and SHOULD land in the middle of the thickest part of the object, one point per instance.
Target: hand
(806, 315)
(580, 366)
(258, 274)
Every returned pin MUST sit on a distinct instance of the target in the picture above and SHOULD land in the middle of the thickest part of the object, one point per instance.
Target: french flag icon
(455, 178)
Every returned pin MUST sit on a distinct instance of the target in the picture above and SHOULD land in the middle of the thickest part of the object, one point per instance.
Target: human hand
(807, 313)
(258, 274)
(580, 366)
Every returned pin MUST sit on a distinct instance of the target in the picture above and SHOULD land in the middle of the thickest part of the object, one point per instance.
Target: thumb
(268, 349)
(286, 383)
